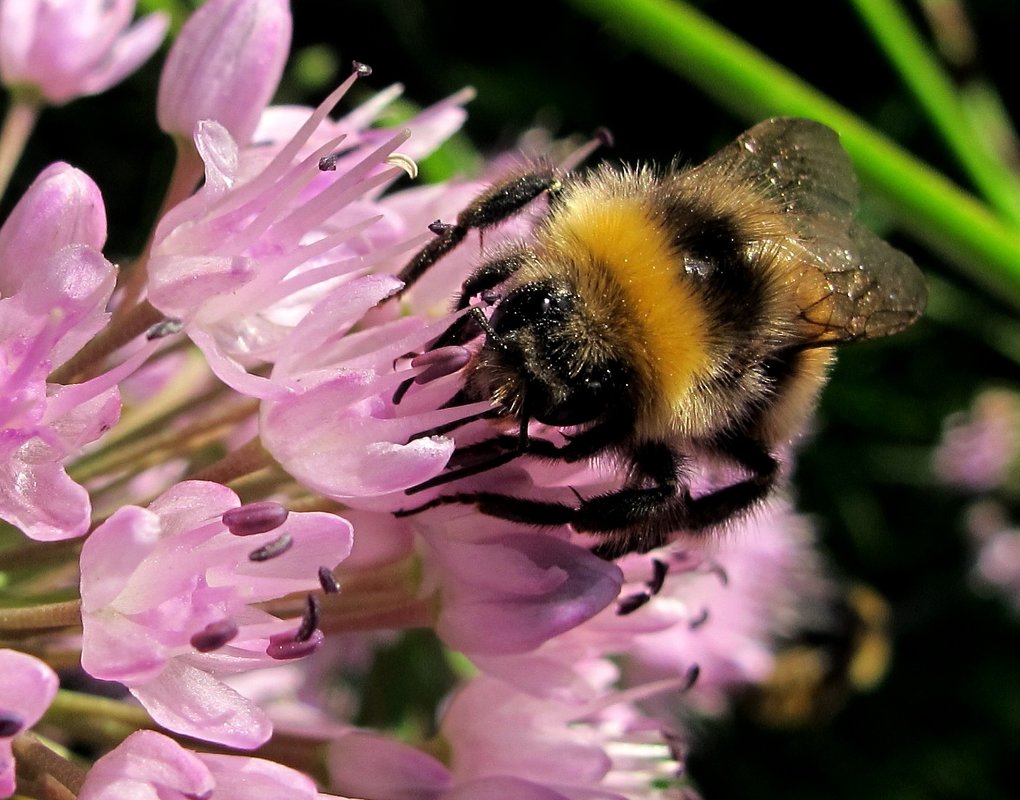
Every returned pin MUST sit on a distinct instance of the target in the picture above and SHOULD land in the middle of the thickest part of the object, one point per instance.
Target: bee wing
(868, 289)
(853, 285)
(798, 162)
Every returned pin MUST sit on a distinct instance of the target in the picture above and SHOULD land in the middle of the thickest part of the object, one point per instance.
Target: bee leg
(467, 327)
(521, 443)
(627, 508)
(502, 506)
(491, 207)
(499, 450)
(637, 518)
(644, 518)
(488, 276)
(715, 507)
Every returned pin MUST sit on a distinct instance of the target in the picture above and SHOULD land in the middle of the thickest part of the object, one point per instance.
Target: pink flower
(997, 541)
(504, 589)
(373, 767)
(501, 742)
(267, 264)
(63, 49)
(168, 604)
(980, 446)
(337, 430)
(721, 608)
(998, 563)
(26, 690)
(148, 765)
(54, 288)
(224, 66)
(272, 231)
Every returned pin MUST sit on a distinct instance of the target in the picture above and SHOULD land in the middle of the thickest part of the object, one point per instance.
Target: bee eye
(588, 400)
(532, 305)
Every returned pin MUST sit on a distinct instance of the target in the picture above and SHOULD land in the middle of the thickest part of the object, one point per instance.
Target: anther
(604, 137)
(631, 603)
(328, 581)
(214, 635)
(440, 228)
(328, 163)
(310, 621)
(693, 671)
(252, 518)
(659, 571)
(165, 327)
(698, 621)
(404, 162)
(360, 69)
(284, 646)
(280, 545)
(10, 724)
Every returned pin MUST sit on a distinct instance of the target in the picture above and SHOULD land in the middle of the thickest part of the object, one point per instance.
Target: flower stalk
(41, 617)
(19, 122)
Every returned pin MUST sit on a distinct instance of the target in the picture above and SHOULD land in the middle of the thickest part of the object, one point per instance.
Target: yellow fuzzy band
(635, 253)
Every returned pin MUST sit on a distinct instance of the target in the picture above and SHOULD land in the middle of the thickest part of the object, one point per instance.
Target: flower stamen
(280, 545)
(214, 636)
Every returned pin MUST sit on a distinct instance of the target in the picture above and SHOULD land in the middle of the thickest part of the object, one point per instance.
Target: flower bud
(225, 66)
(64, 50)
(62, 206)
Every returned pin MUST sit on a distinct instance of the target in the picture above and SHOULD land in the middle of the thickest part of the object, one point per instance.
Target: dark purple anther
(253, 518)
(280, 545)
(214, 635)
(631, 603)
(284, 646)
(10, 724)
(328, 581)
(310, 621)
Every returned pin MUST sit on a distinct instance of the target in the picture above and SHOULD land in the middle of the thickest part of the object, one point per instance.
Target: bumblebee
(667, 317)
(849, 650)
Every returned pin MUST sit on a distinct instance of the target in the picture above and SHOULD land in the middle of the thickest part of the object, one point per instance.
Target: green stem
(42, 617)
(100, 721)
(246, 459)
(936, 93)
(741, 78)
(56, 777)
(112, 337)
(68, 705)
(188, 169)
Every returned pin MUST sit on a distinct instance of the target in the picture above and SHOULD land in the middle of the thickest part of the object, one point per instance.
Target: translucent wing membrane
(854, 286)
(800, 163)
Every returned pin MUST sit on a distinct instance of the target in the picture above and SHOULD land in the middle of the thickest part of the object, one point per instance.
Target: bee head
(545, 358)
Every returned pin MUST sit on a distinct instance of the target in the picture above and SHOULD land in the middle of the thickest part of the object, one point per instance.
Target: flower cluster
(210, 431)
(978, 455)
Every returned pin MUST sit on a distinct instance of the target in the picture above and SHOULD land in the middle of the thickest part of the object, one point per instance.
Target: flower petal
(190, 701)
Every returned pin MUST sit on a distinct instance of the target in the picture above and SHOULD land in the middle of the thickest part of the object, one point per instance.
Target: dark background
(945, 723)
